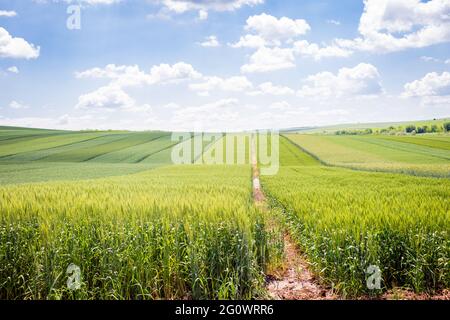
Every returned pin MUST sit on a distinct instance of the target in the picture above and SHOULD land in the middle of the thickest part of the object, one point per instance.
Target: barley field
(345, 221)
(139, 227)
(421, 156)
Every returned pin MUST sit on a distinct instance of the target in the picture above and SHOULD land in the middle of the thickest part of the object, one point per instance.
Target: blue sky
(222, 64)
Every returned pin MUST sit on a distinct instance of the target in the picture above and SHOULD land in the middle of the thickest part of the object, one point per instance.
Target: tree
(410, 128)
(421, 130)
(434, 128)
(446, 126)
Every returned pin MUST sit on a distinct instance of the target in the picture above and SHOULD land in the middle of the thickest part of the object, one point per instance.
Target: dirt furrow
(294, 281)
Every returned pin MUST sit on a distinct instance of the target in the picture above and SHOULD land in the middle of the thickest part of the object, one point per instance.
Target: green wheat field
(139, 227)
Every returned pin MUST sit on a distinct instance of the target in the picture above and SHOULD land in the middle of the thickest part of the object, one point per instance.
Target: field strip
(402, 148)
(158, 151)
(131, 146)
(296, 281)
(51, 148)
(404, 171)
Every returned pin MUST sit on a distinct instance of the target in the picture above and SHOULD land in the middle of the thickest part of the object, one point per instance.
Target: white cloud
(8, 14)
(203, 6)
(269, 59)
(17, 105)
(270, 89)
(249, 41)
(447, 61)
(394, 25)
(362, 80)
(233, 84)
(17, 48)
(123, 76)
(107, 97)
(433, 88)
(275, 30)
(13, 69)
(306, 49)
(210, 41)
(127, 76)
(165, 73)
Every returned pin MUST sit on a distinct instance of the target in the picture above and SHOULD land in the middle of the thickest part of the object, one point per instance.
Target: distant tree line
(409, 129)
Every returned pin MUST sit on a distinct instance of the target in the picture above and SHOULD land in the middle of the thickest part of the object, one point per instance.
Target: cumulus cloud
(107, 97)
(267, 30)
(275, 30)
(394, 25)
(113, 96)
(249, 41)
(127, 76)
(123, 76)
(362, 80)
(210, 41)
(433, 88)
(232, 84)
(269, 59)
(165, 73)
(276, 43)
(16, 48)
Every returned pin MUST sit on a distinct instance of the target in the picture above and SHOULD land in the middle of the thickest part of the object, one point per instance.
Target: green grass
(347, 220)
(376, 153)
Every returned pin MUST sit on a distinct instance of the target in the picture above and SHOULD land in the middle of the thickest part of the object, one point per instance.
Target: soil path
(294, 282)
